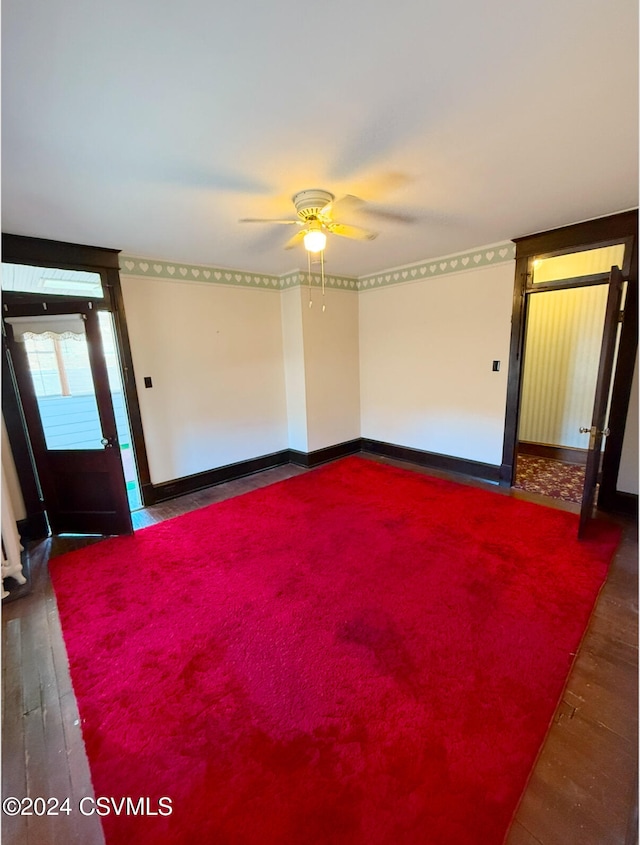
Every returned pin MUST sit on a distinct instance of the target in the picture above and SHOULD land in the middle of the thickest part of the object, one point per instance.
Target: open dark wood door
(603, 383)
(72, 430)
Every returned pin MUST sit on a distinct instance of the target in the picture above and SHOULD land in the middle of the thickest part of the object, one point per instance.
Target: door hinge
(621, 316)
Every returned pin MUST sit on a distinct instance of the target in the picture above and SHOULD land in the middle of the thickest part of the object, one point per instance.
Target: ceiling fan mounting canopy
(310, 203)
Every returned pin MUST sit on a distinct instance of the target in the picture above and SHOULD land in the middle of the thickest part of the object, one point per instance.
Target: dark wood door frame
(17, 249)
(606, 365)
(594, 233)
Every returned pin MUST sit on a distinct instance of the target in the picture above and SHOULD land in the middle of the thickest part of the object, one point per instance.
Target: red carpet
(360, 655)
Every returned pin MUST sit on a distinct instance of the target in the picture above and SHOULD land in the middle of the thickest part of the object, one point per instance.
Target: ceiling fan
(315, 210)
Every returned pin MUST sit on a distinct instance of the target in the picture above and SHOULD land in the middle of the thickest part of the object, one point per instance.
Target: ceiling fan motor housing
(310, 203)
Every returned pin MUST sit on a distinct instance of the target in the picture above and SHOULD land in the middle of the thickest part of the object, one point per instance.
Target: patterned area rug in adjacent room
(550, 478)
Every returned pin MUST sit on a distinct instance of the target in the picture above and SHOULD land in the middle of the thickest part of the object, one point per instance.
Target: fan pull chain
(309, 277)
(322, 272)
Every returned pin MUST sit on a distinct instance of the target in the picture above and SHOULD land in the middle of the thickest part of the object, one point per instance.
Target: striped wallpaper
(564, 334)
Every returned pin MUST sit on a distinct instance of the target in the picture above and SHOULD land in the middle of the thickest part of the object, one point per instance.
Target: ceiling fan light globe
(315, 241)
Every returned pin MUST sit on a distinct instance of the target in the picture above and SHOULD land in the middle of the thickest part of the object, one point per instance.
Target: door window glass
(119, 408)
(62, 381)
(587, 262)
(29, 279)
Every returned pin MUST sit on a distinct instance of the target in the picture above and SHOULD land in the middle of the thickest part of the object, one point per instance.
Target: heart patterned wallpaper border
(178, 271)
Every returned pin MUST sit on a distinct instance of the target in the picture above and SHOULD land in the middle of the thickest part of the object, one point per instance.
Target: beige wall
(321, 368)
(216, 359)
(426, 351)
(239, 373)
(332, 371)
(294, 371)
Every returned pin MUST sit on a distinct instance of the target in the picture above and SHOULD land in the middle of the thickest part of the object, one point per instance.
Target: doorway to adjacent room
(63, 358)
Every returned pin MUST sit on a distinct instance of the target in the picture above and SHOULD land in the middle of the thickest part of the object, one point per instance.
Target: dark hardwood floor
(582, 791)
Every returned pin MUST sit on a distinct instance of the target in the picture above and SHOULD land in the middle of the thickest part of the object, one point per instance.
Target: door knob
(593, 431)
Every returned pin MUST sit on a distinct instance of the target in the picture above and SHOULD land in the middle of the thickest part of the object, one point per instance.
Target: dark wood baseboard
(33, 527)
(625, 503)
(330, 453)
(619, 502)
(434, 460)
(154, 493)
(565, 454)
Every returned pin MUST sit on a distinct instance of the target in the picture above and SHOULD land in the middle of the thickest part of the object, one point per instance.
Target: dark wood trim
(33, 527)
(21, 450)
(40, 252)
(329, 453)
(166, 490)
(603, 230)
(24, 305)
(563, 284)
(516, 344)
(620, 502)
(622, 381)
(604, 381)
(156, 493)
(460, 466)
(199, 481)
(555, 453)
(18, 303)
(617, 227)
(33, 430)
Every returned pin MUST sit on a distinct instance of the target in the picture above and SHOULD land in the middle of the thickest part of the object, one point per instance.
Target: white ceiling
(151, 126)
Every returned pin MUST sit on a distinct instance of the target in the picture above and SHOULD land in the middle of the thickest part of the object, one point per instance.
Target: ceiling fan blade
(388, 214)
(268, 220)
(354, 205)
(326, 212)
(296, 239)
(344, 206)
(355, 232)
